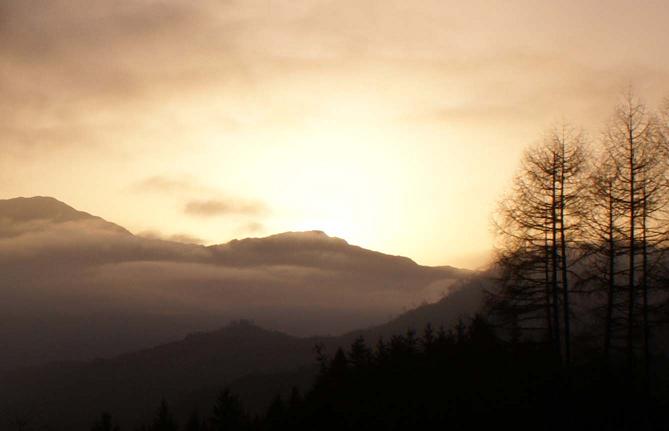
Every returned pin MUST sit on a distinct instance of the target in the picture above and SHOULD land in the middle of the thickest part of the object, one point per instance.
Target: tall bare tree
(634, 143)
(601, 244)
(536, 226)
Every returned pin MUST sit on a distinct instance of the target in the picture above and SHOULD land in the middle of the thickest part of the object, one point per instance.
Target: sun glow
(340, 182)
(351, 168)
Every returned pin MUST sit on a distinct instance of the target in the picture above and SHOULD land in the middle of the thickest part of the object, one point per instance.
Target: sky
(396, 125)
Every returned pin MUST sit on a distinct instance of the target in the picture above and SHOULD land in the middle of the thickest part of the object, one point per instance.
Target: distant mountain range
(255, 363)
(77, 287)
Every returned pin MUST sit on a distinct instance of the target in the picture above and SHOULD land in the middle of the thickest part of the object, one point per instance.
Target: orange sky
(393, 124)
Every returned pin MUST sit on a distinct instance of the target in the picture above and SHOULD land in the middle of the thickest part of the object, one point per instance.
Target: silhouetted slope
(71, 393)
(315, 248)
(463, 301)
(39, 208)
(255, 362)
(21, 214)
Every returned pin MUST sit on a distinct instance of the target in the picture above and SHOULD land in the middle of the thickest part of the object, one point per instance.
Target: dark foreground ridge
(466, 378)
(255, 363)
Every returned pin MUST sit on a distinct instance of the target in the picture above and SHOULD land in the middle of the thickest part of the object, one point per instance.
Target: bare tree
(634, 144)
(570, 145)
(536, 226)
(601, 243)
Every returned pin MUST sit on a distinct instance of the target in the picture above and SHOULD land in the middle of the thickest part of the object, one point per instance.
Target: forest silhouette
(464, 378)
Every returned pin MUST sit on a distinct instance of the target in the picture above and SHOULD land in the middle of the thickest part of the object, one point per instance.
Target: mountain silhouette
(256, 363)
(19, 215)
(316, 248)
(62, 267)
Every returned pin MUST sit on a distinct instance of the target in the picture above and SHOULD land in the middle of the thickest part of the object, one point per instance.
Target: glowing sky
(393, 124)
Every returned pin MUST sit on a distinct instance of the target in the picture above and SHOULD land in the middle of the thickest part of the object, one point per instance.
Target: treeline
(467, 378)
(582, 241)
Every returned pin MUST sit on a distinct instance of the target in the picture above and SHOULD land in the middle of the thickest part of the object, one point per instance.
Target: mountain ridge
(62, 266)
(33, 210)
(47, 208)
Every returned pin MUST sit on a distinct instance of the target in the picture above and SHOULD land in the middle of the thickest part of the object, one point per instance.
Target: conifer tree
(104, 423)
(164, 421)
(228, 413)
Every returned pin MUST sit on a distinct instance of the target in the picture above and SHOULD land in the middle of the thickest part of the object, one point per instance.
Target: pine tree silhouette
(195, 423)
(228, 413)
(164, 421)
(104, 423)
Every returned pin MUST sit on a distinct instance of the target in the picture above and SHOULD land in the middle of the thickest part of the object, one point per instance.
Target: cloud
(212, 205)
(251, 228)
(220, 207)
(183, 238)
(77, 74)
(168, 184)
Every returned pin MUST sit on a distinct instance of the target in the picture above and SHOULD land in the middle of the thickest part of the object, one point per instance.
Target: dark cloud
(214, 206)
(74, 72)
(495, 96)
(185, 238)
(168, 184)
(252, 227)
(220, 207)
(178, 237)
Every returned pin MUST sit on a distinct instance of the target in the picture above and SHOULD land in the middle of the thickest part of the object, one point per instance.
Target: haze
(393, 124)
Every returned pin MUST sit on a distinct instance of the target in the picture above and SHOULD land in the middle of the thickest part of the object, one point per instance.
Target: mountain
(462, 301)
(317, 249)
(20, 215)
(254, 362)
(75, 286)
(68, 395)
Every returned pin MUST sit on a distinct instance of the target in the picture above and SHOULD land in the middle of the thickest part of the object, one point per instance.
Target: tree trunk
(611, 281)
(554, 259)
(564, 268)
(632, 248)
(547, 284)
(644, 291)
